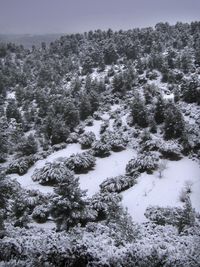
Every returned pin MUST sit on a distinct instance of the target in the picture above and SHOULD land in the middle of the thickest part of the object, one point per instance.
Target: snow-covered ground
(26, 181)
(95, 128)
(165, 191)
(150, 189)
(111, 166)
(11, 95)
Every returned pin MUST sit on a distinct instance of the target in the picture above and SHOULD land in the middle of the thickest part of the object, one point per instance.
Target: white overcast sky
(68, 16)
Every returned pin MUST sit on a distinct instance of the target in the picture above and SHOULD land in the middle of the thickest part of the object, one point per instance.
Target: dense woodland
(48, 95)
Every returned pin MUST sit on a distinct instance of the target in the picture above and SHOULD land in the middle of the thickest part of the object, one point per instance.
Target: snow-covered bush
(105, 204)
(20, 165)
(79, 129)
(116, 140)
(104, 126)
(27, 145)
(162, 216)
(41, 213)
(150, 145)
(59, 146)
(73, 138)
(52, 173)
(89, 121)
(186, 191)
(86, 140)
(101, 149)
(97, 115)
(80, 162)
(179, 217)
(171, 150)
(159, 246)
(117, 145)
(144, 162)
(119, 183)
(117, 123)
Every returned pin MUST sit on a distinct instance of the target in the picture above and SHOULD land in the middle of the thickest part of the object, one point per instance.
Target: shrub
(20, 165)
(104, 126)
(89, 121)
(179, 217)
(87, 139)
(73, 138)
(117, 123)
(80, 162)
(40, 214)
(101, 149)
(116, 141)
(52, 173)
(59, 146)
(97, 115)
(27, 146)
(105, 204)
(145, 162)
(117, 144)
(119, 183)
(171, 150)
(79, 129)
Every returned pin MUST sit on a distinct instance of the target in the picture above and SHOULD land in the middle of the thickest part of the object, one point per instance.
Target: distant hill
(27, 40)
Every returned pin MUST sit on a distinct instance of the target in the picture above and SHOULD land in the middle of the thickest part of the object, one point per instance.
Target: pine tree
(139, 112)
(13, 112)
(28, 145)
(174, 125)
(159, 114)
(85, 107)
(68, 206)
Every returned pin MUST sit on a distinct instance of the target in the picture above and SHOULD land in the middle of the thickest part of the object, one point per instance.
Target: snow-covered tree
(68, 206)
(87, 139)
(20, 165)
(174, 124)
(144, 162)
(80, 162)
(139, 112)
(159, 113)
(27, 146)
(101, 149)
(52, 173)
(119, 183)
(40, 213)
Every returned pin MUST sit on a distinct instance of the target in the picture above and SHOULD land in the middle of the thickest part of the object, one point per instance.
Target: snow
(49, 225)
(168, 97)
(115, 107)
(10, 95)
(64, 153)
(157, 82)
(149, 190)
(165, 191)
(95, 128)
(26, 180)
(111, 166)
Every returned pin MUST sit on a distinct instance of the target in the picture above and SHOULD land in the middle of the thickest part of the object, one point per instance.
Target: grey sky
(67, 16)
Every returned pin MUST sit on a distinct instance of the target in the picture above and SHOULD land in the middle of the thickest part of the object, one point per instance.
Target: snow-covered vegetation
(100, 149)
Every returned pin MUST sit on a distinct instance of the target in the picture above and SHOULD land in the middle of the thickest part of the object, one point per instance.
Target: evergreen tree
(118, 83)
(13, 112)
(159, 113)
(174, 125)
(85, 108)
(27, 145)
(3, 139)
(68, 206)
(110, 55)
(139, 112)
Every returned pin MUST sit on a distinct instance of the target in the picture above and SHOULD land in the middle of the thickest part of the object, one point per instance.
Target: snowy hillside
(100, 150)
